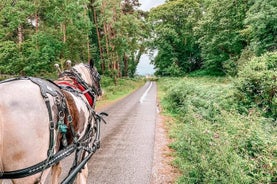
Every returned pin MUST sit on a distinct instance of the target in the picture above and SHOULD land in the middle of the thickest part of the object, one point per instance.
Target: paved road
(127, 142)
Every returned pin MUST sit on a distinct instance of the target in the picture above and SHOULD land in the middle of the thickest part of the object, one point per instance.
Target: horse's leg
(82, 177)
(55, 173)
(43, 177)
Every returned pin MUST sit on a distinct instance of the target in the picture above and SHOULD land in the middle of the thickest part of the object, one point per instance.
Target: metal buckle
(52, 125)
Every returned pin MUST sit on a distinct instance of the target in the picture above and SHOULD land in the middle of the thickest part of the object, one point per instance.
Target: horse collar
(79, 87)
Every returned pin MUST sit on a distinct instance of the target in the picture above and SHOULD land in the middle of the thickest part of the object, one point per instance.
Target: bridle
(80, 85)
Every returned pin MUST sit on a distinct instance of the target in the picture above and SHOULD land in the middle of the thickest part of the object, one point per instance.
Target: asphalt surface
(127, 141)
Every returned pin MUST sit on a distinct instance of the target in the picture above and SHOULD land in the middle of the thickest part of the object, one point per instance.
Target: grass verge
(213, 142)
(114, 92)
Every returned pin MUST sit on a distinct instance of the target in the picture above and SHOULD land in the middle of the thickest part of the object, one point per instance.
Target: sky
(148, 4)
(144, 67)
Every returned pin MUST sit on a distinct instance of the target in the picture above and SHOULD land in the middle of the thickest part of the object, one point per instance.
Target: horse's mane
(83, 69)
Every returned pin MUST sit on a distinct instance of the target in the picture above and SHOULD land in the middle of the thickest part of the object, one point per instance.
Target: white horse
(27, 136)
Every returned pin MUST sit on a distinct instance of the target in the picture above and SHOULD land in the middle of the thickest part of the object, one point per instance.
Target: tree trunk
(106, 37)
(125, 65)
(88, 47)
(103, 67)
(36, 19)
(20, 34)
(64, 32)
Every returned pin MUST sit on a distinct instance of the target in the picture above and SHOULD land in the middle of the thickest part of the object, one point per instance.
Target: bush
(9, 58)
(214, 143)
(257, 84)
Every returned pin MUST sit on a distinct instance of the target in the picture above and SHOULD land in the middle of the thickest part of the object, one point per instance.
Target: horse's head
(89, 76)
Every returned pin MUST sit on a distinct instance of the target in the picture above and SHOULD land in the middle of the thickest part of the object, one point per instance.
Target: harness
(84, 147)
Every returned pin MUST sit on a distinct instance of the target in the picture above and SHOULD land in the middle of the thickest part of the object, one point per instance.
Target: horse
(39, 118)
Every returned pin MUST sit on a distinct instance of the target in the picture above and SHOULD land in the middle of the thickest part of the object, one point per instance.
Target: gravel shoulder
(163, 172)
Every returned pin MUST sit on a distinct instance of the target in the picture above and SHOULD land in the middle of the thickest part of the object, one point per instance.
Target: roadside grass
(112, 92)
(213, 142)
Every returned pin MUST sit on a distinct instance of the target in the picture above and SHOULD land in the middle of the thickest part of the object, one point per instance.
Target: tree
(261, 27)
(36, 34)
(121, 31)
(219, 33)
(174, 38)
(45, 32)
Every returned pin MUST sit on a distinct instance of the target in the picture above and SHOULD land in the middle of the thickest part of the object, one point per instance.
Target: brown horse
(39, 118)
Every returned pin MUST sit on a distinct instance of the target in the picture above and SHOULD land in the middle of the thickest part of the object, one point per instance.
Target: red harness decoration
(88, 97)
(80, 87)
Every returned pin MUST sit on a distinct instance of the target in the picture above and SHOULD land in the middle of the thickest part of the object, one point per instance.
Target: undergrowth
(213, 141)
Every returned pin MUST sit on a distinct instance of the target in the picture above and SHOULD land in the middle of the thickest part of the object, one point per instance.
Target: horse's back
(24, 125)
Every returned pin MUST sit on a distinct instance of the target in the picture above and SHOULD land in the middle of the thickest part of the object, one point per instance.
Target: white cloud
(144, 67)
(146, 5)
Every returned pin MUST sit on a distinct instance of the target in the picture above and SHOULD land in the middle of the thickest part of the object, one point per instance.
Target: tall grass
(214, 143)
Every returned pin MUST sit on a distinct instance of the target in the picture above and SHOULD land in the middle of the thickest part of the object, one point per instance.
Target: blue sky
(144, 67)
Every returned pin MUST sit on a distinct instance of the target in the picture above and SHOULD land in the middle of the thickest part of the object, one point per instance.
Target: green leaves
(213, 141)
(122, 31)
(212, 35)
(261, 22)
(9, 54)
(218, 33)
(173, 25)
(257, 84)
(43, 33)
(217, 36)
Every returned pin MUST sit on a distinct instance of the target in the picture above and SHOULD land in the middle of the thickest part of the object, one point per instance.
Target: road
(127, 141)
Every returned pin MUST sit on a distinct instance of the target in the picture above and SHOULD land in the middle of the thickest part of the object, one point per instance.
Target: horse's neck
(79, 112)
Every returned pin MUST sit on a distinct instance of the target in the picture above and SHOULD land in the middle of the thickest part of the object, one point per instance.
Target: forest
(204, 36)
(36, 34)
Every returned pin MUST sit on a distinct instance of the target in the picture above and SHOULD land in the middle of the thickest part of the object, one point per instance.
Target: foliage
(257, 84)
(211, 35)
(214, 143)
(36, 34)
(219, 36)
(41, 34)
(8, 55)
(261, 27)
(214, 36)
(122, 41)
(174, 38)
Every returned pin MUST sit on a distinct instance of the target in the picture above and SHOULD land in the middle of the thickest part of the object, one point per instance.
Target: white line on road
(145, 93)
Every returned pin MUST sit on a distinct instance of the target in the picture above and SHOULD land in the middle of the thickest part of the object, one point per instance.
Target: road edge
(163, 171)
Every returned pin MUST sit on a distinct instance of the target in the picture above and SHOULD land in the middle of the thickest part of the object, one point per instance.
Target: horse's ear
(58, 68)
(91, 63)
(68, 64)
